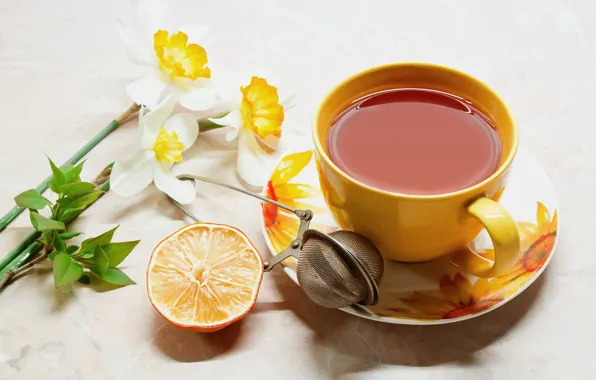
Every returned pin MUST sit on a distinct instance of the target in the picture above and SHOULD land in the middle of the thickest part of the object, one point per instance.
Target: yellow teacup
(415, 228)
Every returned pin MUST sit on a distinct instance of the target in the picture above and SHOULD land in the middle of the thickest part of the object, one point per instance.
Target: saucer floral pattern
(459, 297)
(282, 226)
(538, 241)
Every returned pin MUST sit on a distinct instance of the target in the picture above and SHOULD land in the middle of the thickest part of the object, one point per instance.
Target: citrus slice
(204, 276)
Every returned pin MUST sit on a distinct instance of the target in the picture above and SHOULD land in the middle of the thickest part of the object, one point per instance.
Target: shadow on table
(343, 344)
(187, 346)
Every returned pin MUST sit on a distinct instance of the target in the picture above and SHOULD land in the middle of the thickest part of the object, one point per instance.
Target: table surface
(63, 74)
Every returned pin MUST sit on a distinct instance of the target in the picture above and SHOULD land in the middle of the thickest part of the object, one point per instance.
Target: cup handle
(504, 235)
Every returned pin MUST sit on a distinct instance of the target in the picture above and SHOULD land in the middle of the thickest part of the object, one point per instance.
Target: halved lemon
(204, 276)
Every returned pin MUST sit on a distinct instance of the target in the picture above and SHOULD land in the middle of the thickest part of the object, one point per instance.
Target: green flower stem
(18, 249)
(207, 125)
(29, 247)
(12, 214)
(18, 262)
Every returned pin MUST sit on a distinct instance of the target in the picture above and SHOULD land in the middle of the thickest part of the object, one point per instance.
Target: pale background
(62, 78)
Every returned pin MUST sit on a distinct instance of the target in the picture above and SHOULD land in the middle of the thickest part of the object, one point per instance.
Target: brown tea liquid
(415, 141)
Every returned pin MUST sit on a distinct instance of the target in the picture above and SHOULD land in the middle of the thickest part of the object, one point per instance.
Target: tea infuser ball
(335, 270)
(339, 269)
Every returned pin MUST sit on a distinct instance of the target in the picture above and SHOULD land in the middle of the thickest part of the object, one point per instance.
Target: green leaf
(59, 244)
(66, 270)
(41, 223)
(32, 219)
(72, 173)
(72, 249)
(68, 235)
(85, 279)
(80, 199)
(87, 262)
(32, 199)
(115, 276)
(101, 260)
(68, 199)
(70, 214)
(85, 200)
(85, 254)
(100, 240)
(117, 252)
(88, 246)
(66, 168)
(52, 255)
(54, 186)
(71, 188)
(57, 173)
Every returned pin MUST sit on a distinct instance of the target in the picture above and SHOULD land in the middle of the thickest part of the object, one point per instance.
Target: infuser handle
(193, 178)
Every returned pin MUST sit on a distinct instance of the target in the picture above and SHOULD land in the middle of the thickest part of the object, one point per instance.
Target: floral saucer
(433, 292)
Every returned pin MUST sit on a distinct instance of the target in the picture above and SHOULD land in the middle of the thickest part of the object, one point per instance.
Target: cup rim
(324, 156)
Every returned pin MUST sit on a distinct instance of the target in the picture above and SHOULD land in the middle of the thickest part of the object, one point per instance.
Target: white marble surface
(62, 79)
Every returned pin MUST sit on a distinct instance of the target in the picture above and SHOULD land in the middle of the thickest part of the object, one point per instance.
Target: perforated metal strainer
(335, 270)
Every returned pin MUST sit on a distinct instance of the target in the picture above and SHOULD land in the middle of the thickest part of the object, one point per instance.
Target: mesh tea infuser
(335, 270)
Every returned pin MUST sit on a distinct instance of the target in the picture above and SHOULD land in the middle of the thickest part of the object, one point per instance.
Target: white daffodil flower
(256, 119)
(177, 60)
(163, 139)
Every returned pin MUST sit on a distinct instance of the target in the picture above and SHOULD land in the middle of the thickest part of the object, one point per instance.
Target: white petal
(273, 143)
(295, 131)
(254, 163)
(148, 136)
(287, 99)
(228, 85)
(232, 134)
(155, 119)
(186, 127)
(132, 174)
(146, 91)
(199, 98)
(182, 191)
(155, 15)
(232, 119)
(185, 84)
(136, 48)
(195, 32)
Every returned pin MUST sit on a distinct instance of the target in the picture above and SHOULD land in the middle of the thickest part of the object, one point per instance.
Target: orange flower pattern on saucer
(280, 225)
(538, 241)
(460, 297)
